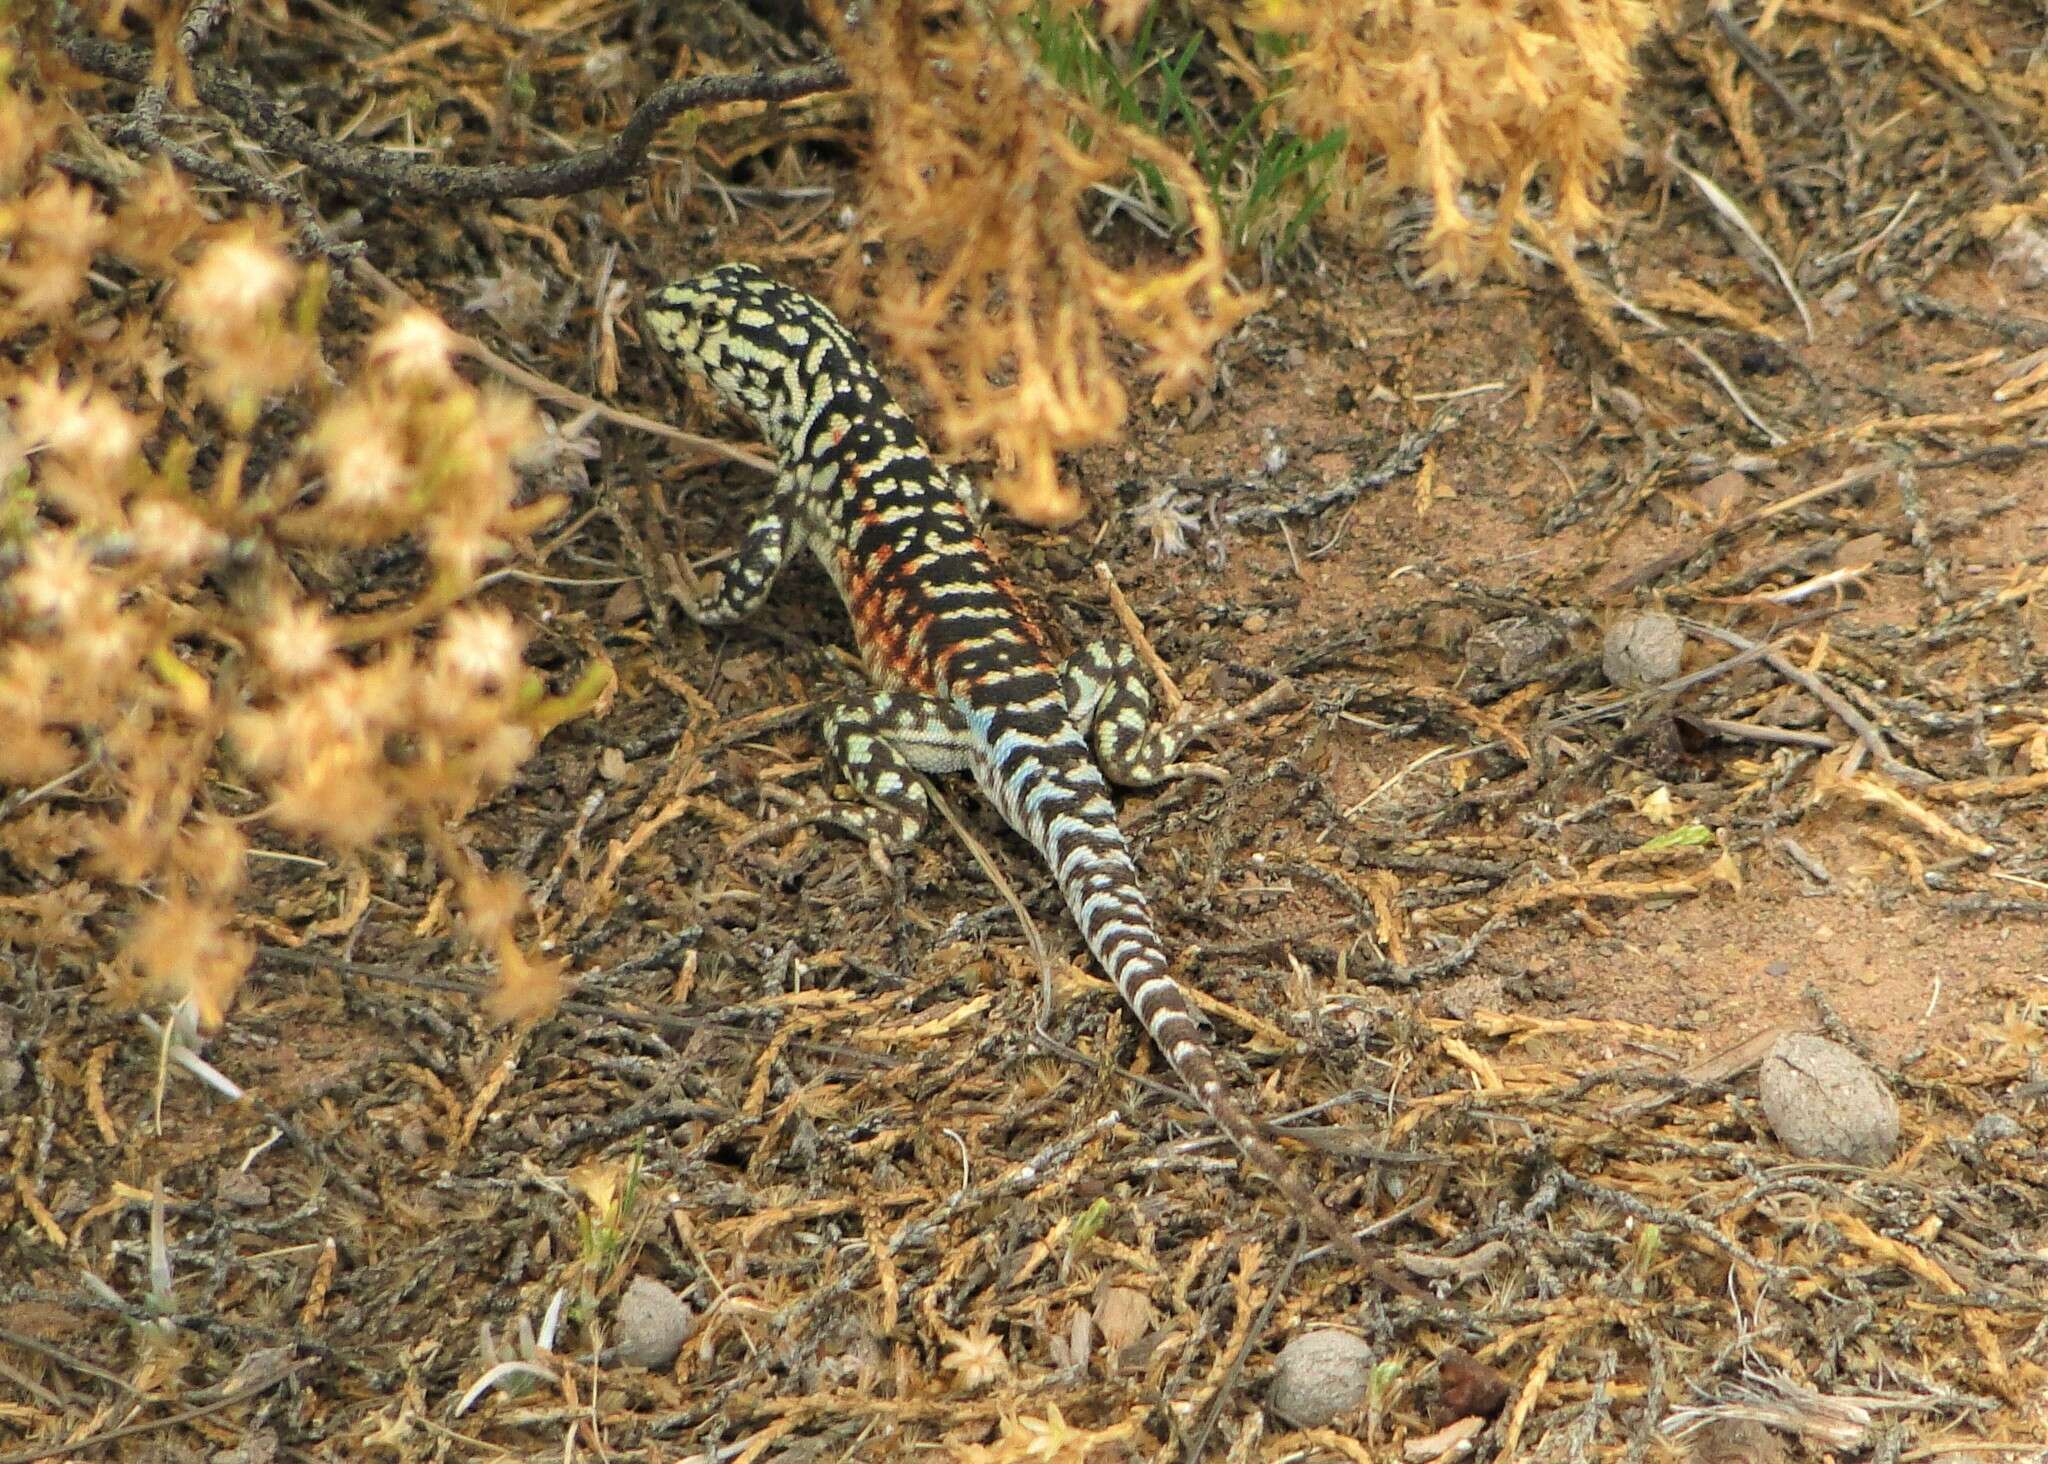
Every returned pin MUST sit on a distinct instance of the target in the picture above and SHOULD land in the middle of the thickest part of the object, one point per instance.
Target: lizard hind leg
(881, 741)
(1109, 701)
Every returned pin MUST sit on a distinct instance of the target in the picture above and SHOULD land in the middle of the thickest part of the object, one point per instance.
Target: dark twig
(2008, 155)
(1677, 1221)
(2025, 330)
(152, 1425)
(264, 120)
(142, 129)
(1199, 1443)
(1855, 721)
(1753, 56)
(1716, 537)
(1405, 458)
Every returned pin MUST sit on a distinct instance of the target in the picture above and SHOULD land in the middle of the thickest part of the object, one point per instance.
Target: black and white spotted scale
(965, 679)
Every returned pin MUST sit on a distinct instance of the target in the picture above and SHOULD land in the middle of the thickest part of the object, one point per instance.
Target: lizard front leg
(737, 588)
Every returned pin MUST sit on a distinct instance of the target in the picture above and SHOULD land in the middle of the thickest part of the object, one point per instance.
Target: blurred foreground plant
(1000, 128)
(181, 471)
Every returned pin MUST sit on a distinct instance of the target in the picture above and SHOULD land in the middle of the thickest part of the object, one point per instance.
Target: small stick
(241, 1394)
(1834, 701)
(547, 390)
(1010, 896)
(1747, 48)
(1200, 1442)
(1658, 568)
(1797, 853)
(1126, 617)
(1756, 732)
(264, 120)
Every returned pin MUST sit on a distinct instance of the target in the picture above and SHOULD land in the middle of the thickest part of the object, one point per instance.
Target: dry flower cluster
(986, 280)
(1466, 98)
(176, 451)
(980, 262)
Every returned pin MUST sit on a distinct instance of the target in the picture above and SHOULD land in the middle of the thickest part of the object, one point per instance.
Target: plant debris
(349, 716)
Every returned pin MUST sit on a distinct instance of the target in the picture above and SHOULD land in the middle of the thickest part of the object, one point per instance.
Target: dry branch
(263, 119)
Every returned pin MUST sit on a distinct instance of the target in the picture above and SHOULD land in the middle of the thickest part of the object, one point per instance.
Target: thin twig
(1253, 1336)
(1757, 732)
(1134, 631)
(1753, 55)
(1865, 730)
(2008, 155)
(264, 120)
(1403, 459)
(1662, 565)
(995, 877)
(130, 1430)
(1729, 209)
(540, 386)
(1578, 278)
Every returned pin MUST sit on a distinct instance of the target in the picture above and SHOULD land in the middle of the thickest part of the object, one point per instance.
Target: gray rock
(1642, 650)
(653, 1324)
(1825, 1102)
(1319, 1376)
(1515, 649)
(1993, 1127)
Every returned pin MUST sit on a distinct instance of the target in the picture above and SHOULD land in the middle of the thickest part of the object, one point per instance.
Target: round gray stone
(1319, 1376)
(1825, 1102)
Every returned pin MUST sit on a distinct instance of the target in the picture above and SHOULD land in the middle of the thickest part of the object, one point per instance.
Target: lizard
(965, 679)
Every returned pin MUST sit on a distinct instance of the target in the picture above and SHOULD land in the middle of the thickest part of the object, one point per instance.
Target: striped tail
(1048, 787)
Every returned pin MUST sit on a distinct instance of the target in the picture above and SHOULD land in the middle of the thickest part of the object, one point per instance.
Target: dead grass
(286, 592)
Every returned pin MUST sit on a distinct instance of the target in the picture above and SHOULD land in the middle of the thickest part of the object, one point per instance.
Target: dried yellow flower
(1465, 97)
(414, 349)
(236, 280)
(479, 651)
(85, 427)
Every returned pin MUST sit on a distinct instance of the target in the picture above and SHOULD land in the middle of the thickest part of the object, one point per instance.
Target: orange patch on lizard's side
(887, 619)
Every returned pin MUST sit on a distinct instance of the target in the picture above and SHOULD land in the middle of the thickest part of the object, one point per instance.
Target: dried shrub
(172, 451)
(992, 124)
(986, 280)
(1465, 98)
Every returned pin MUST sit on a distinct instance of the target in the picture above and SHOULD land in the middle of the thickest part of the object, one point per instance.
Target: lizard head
(739, 328)
(713, 316)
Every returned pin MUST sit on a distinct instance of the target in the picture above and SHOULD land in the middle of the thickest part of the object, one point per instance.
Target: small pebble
(1723, 493)
(1471, 1388)
(1642, 650)
(242, 1190)
(1318, 1376)
(1515, 649)
(1825, 1102)
(259, 1447)
(1122, 1314)
(1736, 1441)
(653, 1324)
(1993, 1127)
